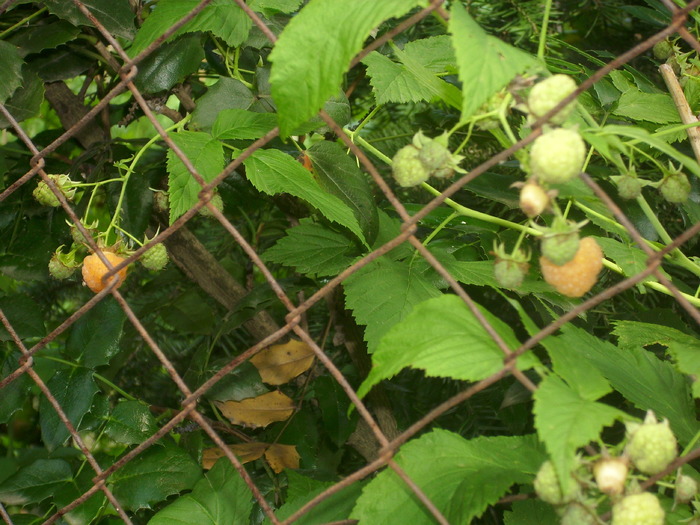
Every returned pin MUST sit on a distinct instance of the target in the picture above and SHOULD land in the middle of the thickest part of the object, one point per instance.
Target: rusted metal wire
(126, 71)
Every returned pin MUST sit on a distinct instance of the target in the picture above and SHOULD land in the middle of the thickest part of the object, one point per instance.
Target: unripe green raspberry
(662, 50)
(652, 446)
(510, 269)
(560, 248)
(434, 155)
(62, 265)
(43, 194)
(407, 168)
(675, 187)
(548, 93)
(686, 489)
(638, 509)
(577, 514)
(215, 201)
(509, 273)
(629, 187)
(557, 157)
(548, 488)
(78, 237)
(155, 258)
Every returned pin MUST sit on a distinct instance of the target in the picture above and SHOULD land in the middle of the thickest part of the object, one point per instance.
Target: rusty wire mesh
(127, 69)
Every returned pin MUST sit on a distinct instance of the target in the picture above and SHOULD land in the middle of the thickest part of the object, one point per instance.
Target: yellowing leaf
(278, 456)
(279, 364)
(245, 452)
(281, 457)
(258, 411)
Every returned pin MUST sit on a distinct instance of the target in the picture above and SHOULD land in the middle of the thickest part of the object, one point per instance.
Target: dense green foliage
(449, 92)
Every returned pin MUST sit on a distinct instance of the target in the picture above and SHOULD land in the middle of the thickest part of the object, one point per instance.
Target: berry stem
(678, 256)
(131, 168)
(543, 31)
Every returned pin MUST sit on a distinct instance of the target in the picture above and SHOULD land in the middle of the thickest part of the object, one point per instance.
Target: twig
(683, 107)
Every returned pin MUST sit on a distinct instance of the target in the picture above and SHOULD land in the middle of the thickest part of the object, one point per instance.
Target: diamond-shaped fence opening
(236, 376)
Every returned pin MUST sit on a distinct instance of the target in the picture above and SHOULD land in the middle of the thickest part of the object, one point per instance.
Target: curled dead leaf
(258, 411)
(279, 457)
(279, 364)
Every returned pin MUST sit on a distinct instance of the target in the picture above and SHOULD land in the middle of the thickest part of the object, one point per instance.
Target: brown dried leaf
(279, 364)
(281, 457)
(258, 411)
(245, 452)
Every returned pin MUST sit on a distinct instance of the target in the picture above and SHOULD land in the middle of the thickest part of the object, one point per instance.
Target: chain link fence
(263, 328)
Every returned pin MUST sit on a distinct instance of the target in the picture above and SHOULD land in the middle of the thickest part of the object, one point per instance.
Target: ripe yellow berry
(576, 277)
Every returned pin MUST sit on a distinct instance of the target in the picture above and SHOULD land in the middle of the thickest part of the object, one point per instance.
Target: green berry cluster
(424, 158)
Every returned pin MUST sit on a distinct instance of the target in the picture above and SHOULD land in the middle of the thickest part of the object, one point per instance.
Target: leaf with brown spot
(281, 457)
(245, 452)
(258, 411)
(279, 364)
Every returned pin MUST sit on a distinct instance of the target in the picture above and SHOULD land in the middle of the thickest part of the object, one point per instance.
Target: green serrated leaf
(334, 403)
(580, 374)
(35, 482)
(25, 102)
(274, 6)
(13, 394)
(301, 489)
(37, 38)
(531, 512)
(444, 338)
(391, 82)
(461, 477)
(227, 93)
(222, 18)
(11, 70)
(130, 423)
(220, 498)
(394, 82)
(684, 348)
(242, 124)
(313, 249)
(486, 64)
(273, 172)
(566, 421)
(74, 389)
(339, 175)
(88, 511)
(650, 107)
(438, 88)
(169, 64)
(25, 315)
(632, 260)
(206, 155)
(154, 475)
(395, 287)
(641, 377)
(640, 134)
(94, 338)
(115, 15)
(314, 50)
(434, 53)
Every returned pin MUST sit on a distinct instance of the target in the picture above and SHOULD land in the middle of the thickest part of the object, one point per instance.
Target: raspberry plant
(399, 145)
